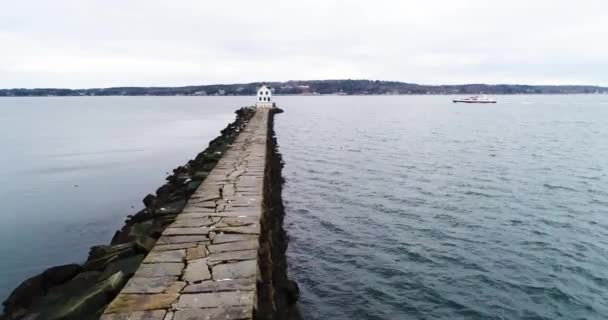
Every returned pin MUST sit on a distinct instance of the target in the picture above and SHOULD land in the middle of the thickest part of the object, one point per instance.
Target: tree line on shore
(309, 87)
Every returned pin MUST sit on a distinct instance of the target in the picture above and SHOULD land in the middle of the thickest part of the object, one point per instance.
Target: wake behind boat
(475, 99)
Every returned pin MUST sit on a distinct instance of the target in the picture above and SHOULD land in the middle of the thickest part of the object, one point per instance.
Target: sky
(105, 43)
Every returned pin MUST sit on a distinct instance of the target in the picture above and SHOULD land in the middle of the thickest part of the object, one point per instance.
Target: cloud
(98, 43)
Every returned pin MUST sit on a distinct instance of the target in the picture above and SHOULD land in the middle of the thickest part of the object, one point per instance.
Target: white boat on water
(475, 99)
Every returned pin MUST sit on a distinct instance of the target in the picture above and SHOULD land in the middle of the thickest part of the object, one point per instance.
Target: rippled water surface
(416, 208)
(72, 169)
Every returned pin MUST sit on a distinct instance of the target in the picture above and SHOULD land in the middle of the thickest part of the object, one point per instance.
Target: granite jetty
(210, 244)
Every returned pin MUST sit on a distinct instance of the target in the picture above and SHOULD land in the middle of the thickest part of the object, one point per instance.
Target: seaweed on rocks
(83, 291)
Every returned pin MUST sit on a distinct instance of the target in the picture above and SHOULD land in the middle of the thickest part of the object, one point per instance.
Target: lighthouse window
(260, 98)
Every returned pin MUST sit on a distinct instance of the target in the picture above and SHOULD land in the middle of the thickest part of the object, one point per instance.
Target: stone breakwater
(215, 260)
(205, 246)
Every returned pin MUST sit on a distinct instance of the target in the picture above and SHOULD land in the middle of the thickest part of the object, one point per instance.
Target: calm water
(398, 207)
(416, 208)
(72, 169)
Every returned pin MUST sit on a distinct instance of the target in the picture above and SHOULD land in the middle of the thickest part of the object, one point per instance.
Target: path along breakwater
(209, 245)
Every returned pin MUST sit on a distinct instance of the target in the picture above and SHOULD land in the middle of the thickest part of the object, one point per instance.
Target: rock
(183, 178)
(165, 190)
(98, 251)
(180, 170)
(144, 244)
(141, 228)
(179, 194)
(128, 266)
(173, 207)
(193, 185)
(60, 274)
(80, 282)
(24, 294)
(292, 291)
(81, 304)
(200, 175)
(209, 165)
(135, 229)
(149, 200)
(33, 288)
(101, 256)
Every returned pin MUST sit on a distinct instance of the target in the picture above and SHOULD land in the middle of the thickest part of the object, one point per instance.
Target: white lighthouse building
(264, 97)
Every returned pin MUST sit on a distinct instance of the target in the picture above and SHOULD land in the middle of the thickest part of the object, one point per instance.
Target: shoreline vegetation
(311, 87)
(83, 290)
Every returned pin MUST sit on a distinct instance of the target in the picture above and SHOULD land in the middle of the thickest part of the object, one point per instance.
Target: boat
(475, 99)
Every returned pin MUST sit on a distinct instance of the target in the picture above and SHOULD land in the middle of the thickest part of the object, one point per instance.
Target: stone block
(165, 247)
(250, 229)
(148, 285)
(176, 287)
(166, 256)
(137, 315)
(233, 256)
(191, 221)
(230, 237)
(160, 269)
(141, 302)
(224, 313)
(197, 270)
(235, 270)
(240, 221)
(186, 231)
(247, 284)
(216, 299)
(234, 246)
(181, 239)
(196, 253)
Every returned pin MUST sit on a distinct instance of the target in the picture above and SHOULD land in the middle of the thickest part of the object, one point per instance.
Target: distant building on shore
(264, 97)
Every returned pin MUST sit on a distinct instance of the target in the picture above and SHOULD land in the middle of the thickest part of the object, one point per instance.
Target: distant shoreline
(313, 88)
(314, 95)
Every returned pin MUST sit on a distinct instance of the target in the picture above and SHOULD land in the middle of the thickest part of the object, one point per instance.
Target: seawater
(73, 168)
(398, 207)
(412, 207)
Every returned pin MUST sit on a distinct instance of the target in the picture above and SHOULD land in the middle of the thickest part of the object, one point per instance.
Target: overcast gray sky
(102, 43)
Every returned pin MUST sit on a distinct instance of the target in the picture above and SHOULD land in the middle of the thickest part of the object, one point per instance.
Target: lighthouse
(264, 97)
